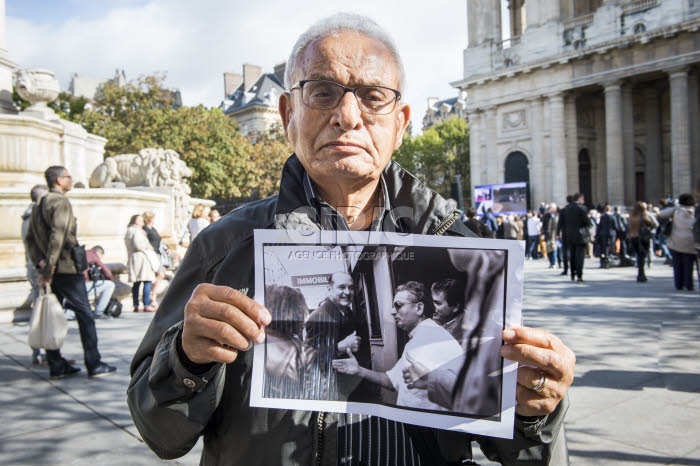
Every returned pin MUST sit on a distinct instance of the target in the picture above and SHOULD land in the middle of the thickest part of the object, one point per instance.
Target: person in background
(448, 300)
(284, 349)
(158, 246)
(606, 234)
(639, 232)
(140, 269)
(101, 286)
(35, 194)
(681, 242)
(198, 222)
(51, 238)
(476, 226)
(490, 220)
(549, 228)
(534, 227)
(214, 215)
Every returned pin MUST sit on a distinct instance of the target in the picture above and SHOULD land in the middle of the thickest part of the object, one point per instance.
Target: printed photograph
(407, 327)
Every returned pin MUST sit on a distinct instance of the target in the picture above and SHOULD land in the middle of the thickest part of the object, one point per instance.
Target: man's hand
(347, 366)
(409, 377)
(351, 342)
(219, 322)
(546, 369)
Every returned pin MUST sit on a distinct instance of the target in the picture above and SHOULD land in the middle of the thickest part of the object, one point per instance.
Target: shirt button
(189, 383)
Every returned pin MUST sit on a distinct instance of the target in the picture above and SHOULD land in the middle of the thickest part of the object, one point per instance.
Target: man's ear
(403, 118)
(420, 309)
(285, 109)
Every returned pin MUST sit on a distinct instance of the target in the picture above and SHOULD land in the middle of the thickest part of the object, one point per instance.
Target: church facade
(593, 96)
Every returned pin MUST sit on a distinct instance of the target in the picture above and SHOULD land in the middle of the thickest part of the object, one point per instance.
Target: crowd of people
(567, 235)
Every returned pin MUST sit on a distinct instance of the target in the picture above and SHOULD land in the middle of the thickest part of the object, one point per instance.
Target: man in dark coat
(574, 226)
(331, 329)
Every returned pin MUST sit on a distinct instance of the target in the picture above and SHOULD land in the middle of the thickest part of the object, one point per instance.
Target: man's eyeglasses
(326, 95)
(66, 176)
(398, 305)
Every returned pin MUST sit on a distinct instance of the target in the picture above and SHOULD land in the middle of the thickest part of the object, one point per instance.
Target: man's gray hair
(333, 25)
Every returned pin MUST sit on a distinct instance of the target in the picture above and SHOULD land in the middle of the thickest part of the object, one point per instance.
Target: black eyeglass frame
(397, 95)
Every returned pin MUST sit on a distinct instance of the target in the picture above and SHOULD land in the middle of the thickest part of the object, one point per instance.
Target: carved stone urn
(39, 88)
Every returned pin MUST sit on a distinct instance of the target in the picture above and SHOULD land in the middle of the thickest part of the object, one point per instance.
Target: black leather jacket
(172, 407)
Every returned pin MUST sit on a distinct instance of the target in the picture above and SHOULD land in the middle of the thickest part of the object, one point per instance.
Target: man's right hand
(351, 342)
(219, 322)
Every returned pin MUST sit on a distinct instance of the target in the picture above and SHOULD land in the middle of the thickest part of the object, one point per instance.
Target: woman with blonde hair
(199, 221)
(641, 225)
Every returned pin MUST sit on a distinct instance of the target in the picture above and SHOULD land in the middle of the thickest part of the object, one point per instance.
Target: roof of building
(264, 92)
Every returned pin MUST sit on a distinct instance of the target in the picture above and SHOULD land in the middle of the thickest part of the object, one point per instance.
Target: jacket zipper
(319, 437)
(447, 223)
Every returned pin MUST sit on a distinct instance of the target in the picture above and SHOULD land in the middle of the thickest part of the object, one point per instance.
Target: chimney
(232, 81)
(251, 73)
(432, 101)
(279, 72)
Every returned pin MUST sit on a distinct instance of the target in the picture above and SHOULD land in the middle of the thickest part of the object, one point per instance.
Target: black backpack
(114, 308)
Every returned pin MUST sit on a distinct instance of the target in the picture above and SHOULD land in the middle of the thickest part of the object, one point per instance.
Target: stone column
(540, 166)
(571, 124)
(694, 111)
(484, 21)
(614, 166)
(557, 136)
(475, 148)
(680, 133)
(628, 146)
(491, 160)
(654, 160)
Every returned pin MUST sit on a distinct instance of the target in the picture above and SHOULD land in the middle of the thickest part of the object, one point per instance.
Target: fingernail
(261, 337)
(508, 334)
(265, 318)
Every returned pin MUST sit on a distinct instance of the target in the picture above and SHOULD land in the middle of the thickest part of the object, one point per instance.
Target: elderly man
(191, 375)
(429, 347)
(331, 329)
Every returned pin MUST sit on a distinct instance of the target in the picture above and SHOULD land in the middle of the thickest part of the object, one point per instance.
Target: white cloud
(195, 42)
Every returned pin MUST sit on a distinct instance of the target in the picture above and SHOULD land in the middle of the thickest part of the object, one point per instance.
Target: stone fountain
(36, 138)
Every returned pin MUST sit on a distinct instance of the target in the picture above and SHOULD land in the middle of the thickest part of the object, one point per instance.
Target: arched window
(517, 169)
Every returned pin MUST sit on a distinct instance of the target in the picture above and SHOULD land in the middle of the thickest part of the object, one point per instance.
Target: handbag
(48, 326)
(79, 257)
(153, 259)
(165, 259)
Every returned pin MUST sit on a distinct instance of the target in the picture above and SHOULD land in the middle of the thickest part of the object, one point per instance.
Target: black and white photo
(404, 326)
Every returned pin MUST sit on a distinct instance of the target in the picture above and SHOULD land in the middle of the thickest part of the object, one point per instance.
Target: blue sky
(195, 42)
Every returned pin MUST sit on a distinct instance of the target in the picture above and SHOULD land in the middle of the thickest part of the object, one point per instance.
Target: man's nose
(347, 114)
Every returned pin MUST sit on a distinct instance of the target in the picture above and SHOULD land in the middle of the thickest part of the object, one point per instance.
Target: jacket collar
(409, 205)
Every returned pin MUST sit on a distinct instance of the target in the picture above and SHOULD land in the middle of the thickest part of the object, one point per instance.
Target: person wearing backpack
(681, 242)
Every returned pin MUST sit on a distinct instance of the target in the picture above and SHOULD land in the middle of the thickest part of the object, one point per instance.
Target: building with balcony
(592, 96)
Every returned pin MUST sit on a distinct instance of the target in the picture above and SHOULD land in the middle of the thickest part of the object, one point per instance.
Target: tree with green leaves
(437, 155)
(224, 163)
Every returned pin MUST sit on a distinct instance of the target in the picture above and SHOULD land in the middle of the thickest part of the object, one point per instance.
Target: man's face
(65, 182)
(344, 145)
(341, 290)
(406, 311)
(443, 311)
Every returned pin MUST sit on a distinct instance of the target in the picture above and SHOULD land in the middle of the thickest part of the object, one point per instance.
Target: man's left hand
(546, 369)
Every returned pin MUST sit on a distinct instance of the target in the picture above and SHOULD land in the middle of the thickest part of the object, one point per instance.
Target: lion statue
(151, 167)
